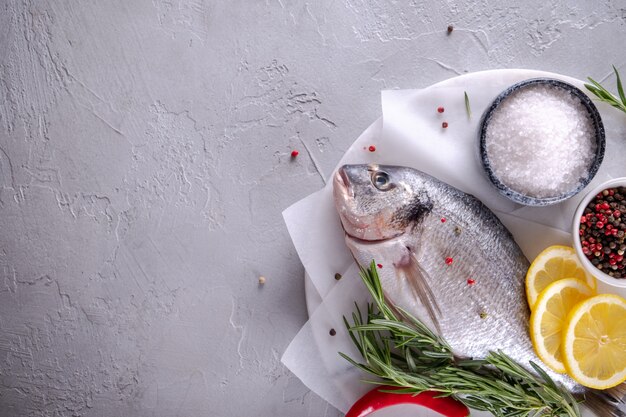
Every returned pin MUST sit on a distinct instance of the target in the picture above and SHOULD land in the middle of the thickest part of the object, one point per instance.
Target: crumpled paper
(410, 133)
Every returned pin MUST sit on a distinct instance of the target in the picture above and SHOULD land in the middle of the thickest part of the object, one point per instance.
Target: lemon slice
(594, 342)
(547, 320)
(553, 264)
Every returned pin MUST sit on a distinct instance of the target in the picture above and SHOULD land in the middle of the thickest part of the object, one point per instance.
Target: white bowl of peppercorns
(600, 235)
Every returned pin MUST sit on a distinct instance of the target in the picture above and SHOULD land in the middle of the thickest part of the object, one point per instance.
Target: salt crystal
(541, 141)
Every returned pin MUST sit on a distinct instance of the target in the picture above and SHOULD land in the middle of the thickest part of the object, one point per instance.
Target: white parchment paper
(410, 133)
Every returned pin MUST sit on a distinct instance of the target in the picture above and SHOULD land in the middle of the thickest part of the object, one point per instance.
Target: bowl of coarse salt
(541, 141)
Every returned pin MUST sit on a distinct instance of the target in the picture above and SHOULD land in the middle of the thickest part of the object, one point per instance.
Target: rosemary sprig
(467, 105)
(605, 95)
(400, 351)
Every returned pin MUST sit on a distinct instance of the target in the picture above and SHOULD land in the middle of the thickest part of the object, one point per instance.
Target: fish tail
(606, 403)
(618, 393)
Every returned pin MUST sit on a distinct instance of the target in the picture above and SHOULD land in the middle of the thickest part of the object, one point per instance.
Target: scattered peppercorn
(457, 230)
(471, 281)
(440, 109)
(450, 29)
(337, 276)
(483, 315)
(372, 148)
(443, 220)
(294, 153)
(261, 280)
(332, 332)
(449, 261)
(379, 266)
(602, 231)
(444, 125)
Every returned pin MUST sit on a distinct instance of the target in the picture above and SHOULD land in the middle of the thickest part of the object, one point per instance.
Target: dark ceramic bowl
(597, 125)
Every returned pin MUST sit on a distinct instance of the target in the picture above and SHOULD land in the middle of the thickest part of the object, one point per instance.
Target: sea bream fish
(446, 258)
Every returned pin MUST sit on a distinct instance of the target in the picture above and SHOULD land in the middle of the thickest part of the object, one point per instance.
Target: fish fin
(604, 404)
(418, 279)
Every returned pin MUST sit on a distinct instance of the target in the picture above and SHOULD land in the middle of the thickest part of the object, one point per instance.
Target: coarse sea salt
(541, 141)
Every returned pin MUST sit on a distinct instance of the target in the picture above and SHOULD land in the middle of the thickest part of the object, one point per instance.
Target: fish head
(378, 202)
(380, 208)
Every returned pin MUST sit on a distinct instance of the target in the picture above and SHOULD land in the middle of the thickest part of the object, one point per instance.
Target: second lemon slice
(547, 320)
(551, 265)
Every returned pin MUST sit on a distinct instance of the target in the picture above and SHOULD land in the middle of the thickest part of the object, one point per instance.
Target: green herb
(605, 95)
(400, 351)
(467, 105)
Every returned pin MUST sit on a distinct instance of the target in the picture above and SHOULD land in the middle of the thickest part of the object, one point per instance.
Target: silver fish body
(444, 257)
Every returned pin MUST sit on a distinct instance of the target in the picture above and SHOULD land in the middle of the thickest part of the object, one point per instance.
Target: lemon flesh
(553, 264)
(594, 342)
(549, 317)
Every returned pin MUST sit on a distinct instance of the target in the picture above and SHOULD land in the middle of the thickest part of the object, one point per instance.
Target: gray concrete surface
(144, 164)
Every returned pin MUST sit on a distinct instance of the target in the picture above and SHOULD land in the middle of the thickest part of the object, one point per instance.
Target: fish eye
(381, 180)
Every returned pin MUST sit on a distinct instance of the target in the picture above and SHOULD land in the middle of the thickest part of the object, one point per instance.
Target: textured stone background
(144, 164)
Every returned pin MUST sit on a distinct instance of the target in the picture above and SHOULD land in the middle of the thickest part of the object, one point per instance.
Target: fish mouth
(341, 183)
(344, 200)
